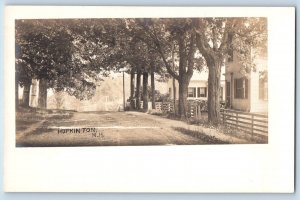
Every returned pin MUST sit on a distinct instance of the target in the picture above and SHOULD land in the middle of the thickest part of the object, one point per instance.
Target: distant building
(247, 89)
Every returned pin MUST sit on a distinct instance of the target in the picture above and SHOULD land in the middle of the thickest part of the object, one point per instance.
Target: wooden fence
(164, 107)
(194, 109)
(248, 122)
(253, 123)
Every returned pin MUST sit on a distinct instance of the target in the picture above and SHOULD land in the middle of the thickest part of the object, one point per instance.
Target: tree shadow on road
(207, 139)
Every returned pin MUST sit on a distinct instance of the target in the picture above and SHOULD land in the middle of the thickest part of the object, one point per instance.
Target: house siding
(234, 71)
(257, 105)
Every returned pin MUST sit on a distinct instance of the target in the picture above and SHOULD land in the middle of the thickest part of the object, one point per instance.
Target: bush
(203, 104)
(197, 102)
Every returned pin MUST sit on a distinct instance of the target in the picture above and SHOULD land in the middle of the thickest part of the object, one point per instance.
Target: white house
(198, 87)
(247, 90)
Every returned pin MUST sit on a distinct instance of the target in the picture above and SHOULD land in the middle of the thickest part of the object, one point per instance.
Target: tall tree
(53, 53)
(26, 94)
(145, 90)
(152, 86)
(132, 86)
(138, 89)
(216, 38)
(167, 36)
(130, 52)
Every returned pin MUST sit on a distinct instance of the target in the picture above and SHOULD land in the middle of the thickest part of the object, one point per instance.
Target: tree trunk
(213, 60)
(152, 89)
(186, 66)
(26, 92)
(174, 96)
(145, 91)
(213, 100)
(183, 90)
(33, 93)
(174, 81)
(138, 87)
(42, 100)
(17, 94)
(132, 79)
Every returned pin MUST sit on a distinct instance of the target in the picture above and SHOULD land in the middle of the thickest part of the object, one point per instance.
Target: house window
(241, 88)
(202, 92)
(191, 92)
(263, 89)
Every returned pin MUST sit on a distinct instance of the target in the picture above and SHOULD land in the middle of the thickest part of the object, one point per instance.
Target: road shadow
(207, 139)
(252, 138)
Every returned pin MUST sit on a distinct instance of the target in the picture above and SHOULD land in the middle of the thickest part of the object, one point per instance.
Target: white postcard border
(204, 168)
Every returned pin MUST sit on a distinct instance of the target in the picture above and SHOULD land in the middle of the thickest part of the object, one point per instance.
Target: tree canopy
(73, 54)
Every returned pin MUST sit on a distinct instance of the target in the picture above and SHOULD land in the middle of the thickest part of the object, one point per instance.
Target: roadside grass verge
(207, 139)
(233, 132)
(27, 117)
(220, 128)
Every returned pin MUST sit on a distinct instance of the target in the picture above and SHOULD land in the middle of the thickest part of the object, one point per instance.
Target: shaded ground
(112, 128)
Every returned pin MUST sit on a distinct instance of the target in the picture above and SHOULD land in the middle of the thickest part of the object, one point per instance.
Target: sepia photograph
(141, 81)
(149, 99)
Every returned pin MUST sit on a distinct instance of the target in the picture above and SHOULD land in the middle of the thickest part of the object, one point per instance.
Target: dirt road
(116, 128)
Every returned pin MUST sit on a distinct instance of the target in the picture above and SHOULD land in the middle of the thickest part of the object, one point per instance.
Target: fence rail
(255, 124)
(164, 107)
(194, 111)
(194, 108)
